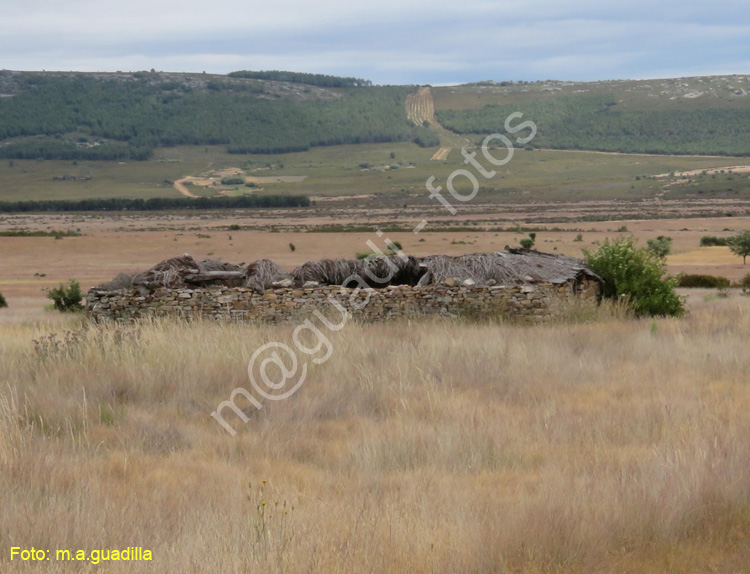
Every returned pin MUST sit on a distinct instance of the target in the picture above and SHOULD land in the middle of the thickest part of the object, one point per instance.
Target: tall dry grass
(436, 447)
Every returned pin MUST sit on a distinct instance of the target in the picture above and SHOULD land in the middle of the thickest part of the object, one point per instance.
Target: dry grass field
(612, 445)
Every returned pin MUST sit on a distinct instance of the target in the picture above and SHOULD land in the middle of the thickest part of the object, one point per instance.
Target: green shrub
(67, 298)
(705, 281)
(636, 275)
(713, 241)
(661, 246)
(3, 302)
(232, 180)
(745, 284)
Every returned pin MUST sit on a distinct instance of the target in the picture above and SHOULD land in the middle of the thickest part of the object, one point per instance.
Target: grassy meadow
(605, 445)
(337, 171)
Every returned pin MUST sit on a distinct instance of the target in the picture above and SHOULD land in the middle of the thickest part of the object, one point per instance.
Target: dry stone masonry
(534, 302)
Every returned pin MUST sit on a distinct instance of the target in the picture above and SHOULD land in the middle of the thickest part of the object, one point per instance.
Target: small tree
(67, 298)
(3, 302)
(636, 274)
(528, 243)
(661, 246)
(740, 245)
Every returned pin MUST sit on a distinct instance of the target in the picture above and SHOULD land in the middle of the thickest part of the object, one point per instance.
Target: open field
(337, 171)
(613, 446)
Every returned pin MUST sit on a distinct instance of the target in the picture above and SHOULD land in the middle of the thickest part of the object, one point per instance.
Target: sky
(386, 41)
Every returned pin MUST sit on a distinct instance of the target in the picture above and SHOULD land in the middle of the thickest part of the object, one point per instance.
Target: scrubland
(608, 445)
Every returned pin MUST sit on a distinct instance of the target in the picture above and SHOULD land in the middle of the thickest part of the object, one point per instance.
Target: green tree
(528, 243)
(661, 246)
(740, 245)
(637, 275)
(67, 298)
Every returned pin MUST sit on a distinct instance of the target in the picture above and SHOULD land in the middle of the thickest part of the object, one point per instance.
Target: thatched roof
(374, 271)
(175, 273)
(514, 267)
(263, 273)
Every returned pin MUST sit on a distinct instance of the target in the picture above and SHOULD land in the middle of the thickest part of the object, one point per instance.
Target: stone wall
(533, 302)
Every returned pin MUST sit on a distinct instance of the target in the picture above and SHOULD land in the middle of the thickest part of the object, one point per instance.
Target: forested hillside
(683, 116)
(81, 116)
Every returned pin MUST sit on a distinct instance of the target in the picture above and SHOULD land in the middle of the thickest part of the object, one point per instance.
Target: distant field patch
(276, 179)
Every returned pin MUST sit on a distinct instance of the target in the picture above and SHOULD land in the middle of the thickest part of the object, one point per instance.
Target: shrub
(292, 247)
(67, 298)
(661, 246)
(636, 275)
(713, 241)
(745, 284)
(3, 302)
(232, 180)
(705, 281)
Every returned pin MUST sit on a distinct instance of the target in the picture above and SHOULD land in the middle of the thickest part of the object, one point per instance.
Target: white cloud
(389, 40)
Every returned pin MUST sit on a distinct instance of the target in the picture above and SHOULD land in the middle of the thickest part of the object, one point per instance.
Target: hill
(127, 115)
(705, 115)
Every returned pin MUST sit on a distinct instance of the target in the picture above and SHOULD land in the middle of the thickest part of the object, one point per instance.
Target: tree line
(158, 203)
(322, 80)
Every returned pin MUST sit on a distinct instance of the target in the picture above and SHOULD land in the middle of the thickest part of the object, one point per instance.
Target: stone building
(518, 284)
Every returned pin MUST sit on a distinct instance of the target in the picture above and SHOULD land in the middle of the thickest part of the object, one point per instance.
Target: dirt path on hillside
(420, 108)
(708, 171)
(179, 185)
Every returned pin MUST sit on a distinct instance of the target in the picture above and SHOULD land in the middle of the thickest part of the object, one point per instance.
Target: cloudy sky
(387, 41)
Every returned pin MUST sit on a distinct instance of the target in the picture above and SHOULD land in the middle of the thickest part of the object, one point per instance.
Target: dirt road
(708, 171)
(179, 185)
(420, 108)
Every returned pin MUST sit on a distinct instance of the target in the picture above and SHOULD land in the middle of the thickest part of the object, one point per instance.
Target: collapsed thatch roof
(175, 273)
(263, 273)
(514, 267)
(372, 271)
